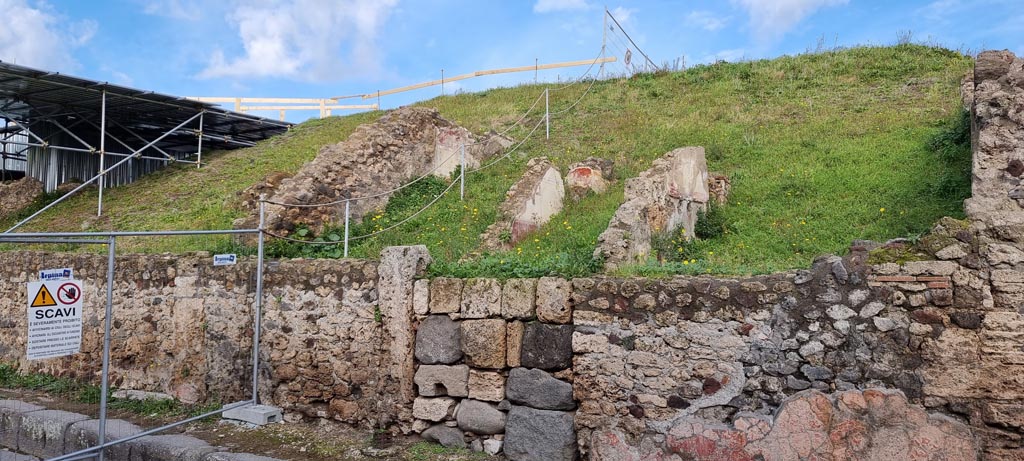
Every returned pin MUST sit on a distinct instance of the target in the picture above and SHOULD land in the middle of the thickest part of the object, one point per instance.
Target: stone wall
(18, 194)
(184, 327)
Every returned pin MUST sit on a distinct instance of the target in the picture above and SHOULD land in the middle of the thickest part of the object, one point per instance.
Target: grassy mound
(824, 148)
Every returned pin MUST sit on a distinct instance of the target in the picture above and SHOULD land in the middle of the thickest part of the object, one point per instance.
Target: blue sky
(323, 48)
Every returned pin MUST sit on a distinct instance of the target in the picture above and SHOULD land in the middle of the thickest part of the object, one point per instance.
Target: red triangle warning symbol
(43, 298)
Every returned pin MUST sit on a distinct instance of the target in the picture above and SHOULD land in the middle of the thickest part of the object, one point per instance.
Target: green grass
(821, 149)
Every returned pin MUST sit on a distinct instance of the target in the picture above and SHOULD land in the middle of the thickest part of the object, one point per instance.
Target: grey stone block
(539, 435)
(42, 432)
(259, 415)
(10, 420)
(85, 434)
(12, 456)
(170, 448)
(447, 436)
(538, 389)
(480, 417)
(438, 341)
(548, 347)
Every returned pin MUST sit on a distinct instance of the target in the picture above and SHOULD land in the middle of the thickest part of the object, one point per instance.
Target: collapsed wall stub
(592, 175)
(997, 122)
(529, 204)
(666, 196)
(377, 158)
(18, 194)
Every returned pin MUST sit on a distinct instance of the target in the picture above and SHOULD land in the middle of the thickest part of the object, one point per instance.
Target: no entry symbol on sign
(69, 293)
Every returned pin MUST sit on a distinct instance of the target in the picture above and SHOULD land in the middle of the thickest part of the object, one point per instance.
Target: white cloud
(622, 14)
(311, 40)
(188, 10)
(771, 19)
(732, 55)
(36, 36)
(706, 20)
(547, 6)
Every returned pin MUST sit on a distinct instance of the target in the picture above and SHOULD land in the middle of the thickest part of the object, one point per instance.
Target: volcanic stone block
(541, 435)
(483, 343)
(548, 347)
(538, 389)
(438, 341)
(553, 305)
(439, 380)
(449, 437)
(480, 417)
(445, 295)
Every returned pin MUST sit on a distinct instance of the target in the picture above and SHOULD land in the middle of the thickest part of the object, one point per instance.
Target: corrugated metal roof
(30, 95)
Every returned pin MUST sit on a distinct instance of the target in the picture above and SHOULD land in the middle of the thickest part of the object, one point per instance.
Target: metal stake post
(604, 40)
(346, 228)
(442, 82)
(103, 149)
(199, 152)
(462, 173)
(258, 305)
(104, 380)
(547, 116)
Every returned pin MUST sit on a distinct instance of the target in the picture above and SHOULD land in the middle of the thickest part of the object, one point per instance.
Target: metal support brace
(347, 217)
(103, 151)
(462, 172)
(199, 151)
(258, 304)
(94, 178)
(547, 116)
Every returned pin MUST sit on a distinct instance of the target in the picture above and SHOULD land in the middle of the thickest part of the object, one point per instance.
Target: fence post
(547, 116)
(105, 373)
(462, 173)
(346, 227)
(258, 307)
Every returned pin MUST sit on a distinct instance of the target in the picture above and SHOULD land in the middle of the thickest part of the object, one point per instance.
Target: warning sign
(43, 298)
(54, 319)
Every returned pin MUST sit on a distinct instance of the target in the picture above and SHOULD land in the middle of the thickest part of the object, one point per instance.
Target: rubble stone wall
(184, 327)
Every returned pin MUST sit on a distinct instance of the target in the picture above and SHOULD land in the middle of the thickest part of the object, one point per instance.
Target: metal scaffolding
(61, 127)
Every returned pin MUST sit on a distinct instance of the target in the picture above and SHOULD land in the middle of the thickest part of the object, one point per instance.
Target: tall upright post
(462, 172)
(258, 305)
(103, 150)
(536, 68)
(604, 40)
(347, 215)
(547, 116)
(108, 313)
(378, 100)
(199, 152)
(442, 82)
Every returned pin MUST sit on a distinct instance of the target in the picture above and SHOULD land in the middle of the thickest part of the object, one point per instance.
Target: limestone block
(481, 298)
(438, 341)
(483, 343)
(433, 409)
(514, 342)
(421, 297)
(548, 347)
(553, 300)
(517, 299)
(532, 434)
(480, 417)
(486, 385)
(445, 295)
(441, 380)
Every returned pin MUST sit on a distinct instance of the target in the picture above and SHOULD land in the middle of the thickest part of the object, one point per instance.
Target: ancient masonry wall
(184, 327)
